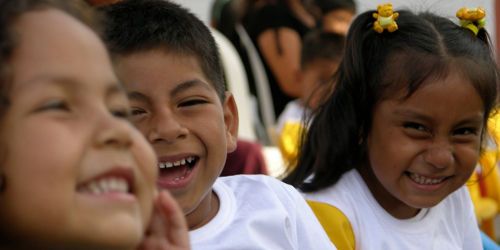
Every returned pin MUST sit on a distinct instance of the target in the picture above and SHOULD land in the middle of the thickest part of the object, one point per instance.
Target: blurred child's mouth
(175, 173)
(115, 184)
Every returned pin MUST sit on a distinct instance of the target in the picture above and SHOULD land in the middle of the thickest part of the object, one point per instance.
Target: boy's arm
(335, 223)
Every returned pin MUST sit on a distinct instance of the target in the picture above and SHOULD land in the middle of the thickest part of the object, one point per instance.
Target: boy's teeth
(187, 160)
(424, 180)
(107, 185)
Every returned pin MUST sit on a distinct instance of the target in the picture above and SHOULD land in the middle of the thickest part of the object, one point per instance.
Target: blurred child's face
(78, 174)
(316, 78)
(178, 110)
(423, 148)
(337, 21)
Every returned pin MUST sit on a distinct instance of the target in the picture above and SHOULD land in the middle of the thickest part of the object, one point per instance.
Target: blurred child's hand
(168, 228)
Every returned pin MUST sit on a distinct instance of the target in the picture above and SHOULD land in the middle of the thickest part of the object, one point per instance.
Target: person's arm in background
(281, 50)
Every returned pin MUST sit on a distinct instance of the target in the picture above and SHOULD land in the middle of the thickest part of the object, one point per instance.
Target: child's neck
(387, 201)
(204, 213)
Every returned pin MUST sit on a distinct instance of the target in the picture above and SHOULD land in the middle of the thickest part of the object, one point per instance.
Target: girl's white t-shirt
(450, 225)
(260, 212)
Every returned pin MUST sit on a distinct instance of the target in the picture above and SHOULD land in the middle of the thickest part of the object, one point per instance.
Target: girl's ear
(231, 120)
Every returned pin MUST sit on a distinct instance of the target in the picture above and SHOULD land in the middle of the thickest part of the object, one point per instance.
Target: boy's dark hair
(321, 45)
(140, 25)
(10, 11)
(425, 47)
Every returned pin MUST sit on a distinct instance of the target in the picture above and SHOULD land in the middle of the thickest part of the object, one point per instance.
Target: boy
(169, 64)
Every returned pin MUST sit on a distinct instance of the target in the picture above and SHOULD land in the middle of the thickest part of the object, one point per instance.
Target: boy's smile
(177, 171)
(181, 115)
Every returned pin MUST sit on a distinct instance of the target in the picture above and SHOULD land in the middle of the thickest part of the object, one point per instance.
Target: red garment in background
(246, 159)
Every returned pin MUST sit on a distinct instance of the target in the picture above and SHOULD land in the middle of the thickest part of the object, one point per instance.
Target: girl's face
(423, 148)
(78, 174)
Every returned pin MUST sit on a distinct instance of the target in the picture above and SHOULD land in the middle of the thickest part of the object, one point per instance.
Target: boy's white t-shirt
(450, 225)
(260, 212)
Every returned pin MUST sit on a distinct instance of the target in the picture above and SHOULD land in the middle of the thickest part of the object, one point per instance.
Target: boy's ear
(231, 120)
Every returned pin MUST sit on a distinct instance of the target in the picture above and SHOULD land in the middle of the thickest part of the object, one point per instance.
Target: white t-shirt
(449, 225)
(260, 212)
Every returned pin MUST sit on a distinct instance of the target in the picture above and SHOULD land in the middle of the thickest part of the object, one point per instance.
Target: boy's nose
(439, 156)
(165, 128)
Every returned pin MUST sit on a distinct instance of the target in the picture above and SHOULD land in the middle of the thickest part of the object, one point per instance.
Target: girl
(387, 155)
(74, 172)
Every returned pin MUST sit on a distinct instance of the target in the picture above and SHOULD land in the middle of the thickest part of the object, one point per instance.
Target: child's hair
(321, 45)
(167, 26)
(10, 11)
(374, 67)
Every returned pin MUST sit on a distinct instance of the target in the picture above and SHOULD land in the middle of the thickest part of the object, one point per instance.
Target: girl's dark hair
(374, 67)
(10, 11)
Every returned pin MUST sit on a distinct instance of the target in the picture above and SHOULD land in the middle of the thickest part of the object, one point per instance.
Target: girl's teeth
(423, 180)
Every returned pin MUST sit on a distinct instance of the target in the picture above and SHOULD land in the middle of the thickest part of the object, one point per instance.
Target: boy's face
(177, 109)
(78, 174)
(315, 79)
(423, 148)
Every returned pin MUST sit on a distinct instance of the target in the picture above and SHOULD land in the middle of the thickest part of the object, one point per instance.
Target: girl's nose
(439, 156)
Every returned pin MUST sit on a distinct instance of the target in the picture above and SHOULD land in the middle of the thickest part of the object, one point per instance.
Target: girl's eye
(54, 105)
(192, 102)
(415, 126)
(466, 131)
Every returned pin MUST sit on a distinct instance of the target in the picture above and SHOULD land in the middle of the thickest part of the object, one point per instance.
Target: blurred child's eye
(54, 105)
(192, 102)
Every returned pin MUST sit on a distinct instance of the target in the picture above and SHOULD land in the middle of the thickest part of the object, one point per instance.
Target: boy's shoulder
(265, 187)
(259, 181)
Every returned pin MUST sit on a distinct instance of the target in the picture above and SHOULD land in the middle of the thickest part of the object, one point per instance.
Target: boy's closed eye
(123, 113)
(134, 111)
(192, 102)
